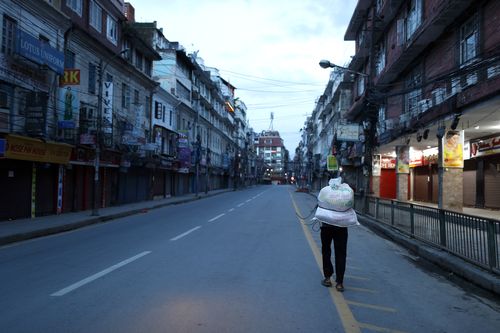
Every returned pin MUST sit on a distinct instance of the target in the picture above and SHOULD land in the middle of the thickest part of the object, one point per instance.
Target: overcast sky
(268, 49)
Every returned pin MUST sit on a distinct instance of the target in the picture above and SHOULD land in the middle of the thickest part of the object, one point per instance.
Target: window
(147, 67)
(125, 96)
(92, 78)
(8, 35)
(95, 16)
(380, 57)
(112, 30)
(414, 80)
(414, 18)
(138, 60)
(360, 85)
(69, 59)
(75, 5)
(170, 118)
(469, 34)
(136, 97)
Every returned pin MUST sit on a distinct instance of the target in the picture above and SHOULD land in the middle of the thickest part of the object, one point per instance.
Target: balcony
(357, 19)
(444, 14)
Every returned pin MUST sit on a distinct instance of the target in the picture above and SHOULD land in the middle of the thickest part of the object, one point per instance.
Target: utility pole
(95, 196)
(100, 73)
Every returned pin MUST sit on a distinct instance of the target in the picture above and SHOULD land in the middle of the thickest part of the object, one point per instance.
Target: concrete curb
(443, 259)
(92, 220)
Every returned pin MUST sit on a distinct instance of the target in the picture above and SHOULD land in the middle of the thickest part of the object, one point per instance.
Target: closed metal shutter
(421, 184)
(469, 184)
(492, 182)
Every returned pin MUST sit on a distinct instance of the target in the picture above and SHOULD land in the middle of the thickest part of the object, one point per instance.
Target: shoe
(339, 287)
(326, 282)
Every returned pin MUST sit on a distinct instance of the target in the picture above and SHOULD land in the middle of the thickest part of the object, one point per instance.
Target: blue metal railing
(473, 238)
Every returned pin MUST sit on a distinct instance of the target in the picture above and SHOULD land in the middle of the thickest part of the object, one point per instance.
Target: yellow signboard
(331, 163)
(29, 149)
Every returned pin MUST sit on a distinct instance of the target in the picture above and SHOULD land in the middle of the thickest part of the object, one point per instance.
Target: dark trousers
(339, 237)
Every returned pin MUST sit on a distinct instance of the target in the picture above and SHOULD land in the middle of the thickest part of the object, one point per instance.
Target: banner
(403, 159)
(453, 151)
(331, 163)
(68, 108)
(377, 165)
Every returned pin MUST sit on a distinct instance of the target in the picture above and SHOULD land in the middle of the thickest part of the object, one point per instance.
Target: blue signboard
(2, 147)
(39, 52)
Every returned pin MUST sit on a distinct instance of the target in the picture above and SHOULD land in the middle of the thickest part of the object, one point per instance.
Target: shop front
(31, 177)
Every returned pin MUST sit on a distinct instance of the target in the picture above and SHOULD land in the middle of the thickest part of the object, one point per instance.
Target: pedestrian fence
(473, 238)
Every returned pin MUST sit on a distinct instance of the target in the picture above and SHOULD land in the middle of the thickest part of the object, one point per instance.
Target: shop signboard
(2, 147)
(348, 132)
(331, 163)
(485, 147)
(39, 52)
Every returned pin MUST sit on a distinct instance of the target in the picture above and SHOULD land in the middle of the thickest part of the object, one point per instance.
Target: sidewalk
(24, 229)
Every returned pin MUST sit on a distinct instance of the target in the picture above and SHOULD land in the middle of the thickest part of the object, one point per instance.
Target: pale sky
(268, 49)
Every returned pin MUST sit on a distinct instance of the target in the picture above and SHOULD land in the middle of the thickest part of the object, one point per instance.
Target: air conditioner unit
(470, 79)
(439, 95)
(389, 124)
(456, 86)
(424, 105)
(404, 119)
(493, 71)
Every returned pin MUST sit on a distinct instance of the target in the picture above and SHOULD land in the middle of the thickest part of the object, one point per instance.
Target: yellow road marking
(346, 317)
(362, 290)
(379, 329)
(356, 277)
(371, 306)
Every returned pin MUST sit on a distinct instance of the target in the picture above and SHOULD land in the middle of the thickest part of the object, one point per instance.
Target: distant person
(335, 214)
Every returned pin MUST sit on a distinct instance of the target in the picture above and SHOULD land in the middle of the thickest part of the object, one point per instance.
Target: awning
(31, 149)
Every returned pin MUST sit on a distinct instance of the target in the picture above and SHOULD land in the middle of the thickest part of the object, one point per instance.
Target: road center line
(248, 200)
(241, 204)
(91, 278)
(185, 233)
(215, 218)
(230, 210)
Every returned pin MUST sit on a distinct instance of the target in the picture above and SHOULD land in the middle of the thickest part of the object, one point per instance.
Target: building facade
(425, 97)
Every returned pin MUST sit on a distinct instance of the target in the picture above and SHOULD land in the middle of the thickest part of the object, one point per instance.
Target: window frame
(95, 22)
(112, 29)
(9, 27)
(464, 37)
(75, 6)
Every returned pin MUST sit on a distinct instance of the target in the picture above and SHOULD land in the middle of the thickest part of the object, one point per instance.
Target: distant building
(271, 149)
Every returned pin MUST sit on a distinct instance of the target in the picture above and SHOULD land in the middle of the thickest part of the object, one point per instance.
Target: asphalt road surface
(241, 261)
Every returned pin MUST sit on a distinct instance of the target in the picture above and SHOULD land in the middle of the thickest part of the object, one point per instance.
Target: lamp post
(368, 128)
(95, 193)
(327, 64)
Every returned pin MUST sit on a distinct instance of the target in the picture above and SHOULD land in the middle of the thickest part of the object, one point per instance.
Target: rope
(314, 223)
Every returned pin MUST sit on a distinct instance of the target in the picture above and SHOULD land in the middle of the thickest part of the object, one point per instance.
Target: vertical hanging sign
(60, 189)
(33, 191)
(107, 112)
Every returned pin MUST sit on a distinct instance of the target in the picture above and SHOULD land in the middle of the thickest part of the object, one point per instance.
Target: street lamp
(369, 128)
(327, 64)
(95, 193)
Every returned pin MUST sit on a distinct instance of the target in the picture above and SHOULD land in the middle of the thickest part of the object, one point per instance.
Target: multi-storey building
(113, 103)
(272, 151)
(433, 81)
(31, 61)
